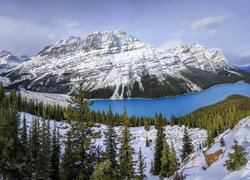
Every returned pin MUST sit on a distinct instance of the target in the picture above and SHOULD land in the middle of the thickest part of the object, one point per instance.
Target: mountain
(115, 65)
(245, 68)
(197, 56)
(8, 60)
(209, 164)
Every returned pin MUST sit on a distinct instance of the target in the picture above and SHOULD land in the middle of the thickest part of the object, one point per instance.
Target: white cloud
(208, 21)
(171, 43)
(179, 33)
(29, 37)
(72, 24)
(209, 24)
(22, 36)
(52, 36)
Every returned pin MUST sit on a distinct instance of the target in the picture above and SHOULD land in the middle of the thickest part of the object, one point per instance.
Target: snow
(174, 134)
(114, 58)
(8, 60)
(47, 98)
(197, 56)
(193, 169)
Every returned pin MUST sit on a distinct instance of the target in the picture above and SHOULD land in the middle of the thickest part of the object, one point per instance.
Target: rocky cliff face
(117, 65)
(8, 60)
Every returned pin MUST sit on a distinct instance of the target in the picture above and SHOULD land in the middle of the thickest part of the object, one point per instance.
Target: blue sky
(26, 26)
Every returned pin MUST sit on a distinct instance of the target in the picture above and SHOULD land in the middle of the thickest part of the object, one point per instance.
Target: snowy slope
(197, 56)
(114, 64)
(194, 168)
(47, 98)
(8, 60)
(174, 134)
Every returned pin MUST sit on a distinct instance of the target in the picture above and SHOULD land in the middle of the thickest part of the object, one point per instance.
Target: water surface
(176, 105)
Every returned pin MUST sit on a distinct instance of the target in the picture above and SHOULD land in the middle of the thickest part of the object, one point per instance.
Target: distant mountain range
(8, 60)
(245, 68)
(117, 65)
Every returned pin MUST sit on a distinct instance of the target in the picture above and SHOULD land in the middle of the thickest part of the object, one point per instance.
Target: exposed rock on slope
(198, 169)
(8, 60)
(117, 65)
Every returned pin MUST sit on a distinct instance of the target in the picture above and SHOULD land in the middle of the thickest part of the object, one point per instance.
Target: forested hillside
(218, 117)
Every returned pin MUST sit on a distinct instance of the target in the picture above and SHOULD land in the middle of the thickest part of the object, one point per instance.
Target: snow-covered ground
(47, 98)
(174, 134)
(194, 168)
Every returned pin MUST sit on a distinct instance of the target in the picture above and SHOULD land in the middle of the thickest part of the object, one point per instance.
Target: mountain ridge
(114, 64)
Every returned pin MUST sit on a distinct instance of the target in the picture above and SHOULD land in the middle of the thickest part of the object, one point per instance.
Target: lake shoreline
(167, 97)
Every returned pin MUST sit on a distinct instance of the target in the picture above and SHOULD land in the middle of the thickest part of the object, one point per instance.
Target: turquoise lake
(176, 105)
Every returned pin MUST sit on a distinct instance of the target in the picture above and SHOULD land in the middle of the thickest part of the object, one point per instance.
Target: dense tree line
(34, 151)
(59, 113)
(218, 117)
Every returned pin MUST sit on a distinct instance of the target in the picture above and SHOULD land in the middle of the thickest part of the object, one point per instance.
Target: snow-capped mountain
(198, 168)
(198, 56)
(8, 60)
(117, 65)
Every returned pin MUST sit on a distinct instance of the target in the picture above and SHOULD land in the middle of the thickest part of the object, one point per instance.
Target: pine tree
(99, 155)
(187, 147)
(151, 167)
(2, 93)
(173, 160)
(10, 154)
(34, 144)
(141, 165)
(165, 160)
(25, 149)
(147, 141)
(126, 151)
(159, 145)
(210, 138)
(146, 125)
(222, 142)
(105, 171)
(68, 164)
(43, 156)
(110, 141)
(55, 155)
(81, 132)
(237, 159)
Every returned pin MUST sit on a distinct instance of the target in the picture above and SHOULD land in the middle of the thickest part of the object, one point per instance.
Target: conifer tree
(9, 144)
(43, 156)
(151, 167)
(68, 164)
(147, 141)
(165, 160)
(126, 151)
(141, 166)
(110, 141)
(34, 144)
(2, 93)
(146, 124)
(105, 171)
(173, 160)
(237, 159)
(210, 138)
(159, 145)
(187, 147)
(25, 153)
(55, 155)
(222, 142)
(81, 132)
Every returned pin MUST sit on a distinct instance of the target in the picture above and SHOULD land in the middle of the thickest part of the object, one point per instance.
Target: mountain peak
(4, 53)
(104, 41)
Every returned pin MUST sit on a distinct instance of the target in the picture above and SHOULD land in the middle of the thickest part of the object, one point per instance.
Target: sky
(27, 26)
